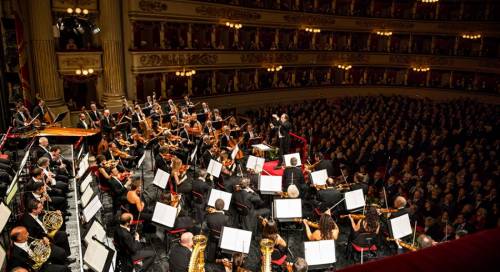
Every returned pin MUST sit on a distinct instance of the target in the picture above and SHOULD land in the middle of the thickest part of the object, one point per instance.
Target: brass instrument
(39, 252)
(52, 220)
(197, 260)
(342, 186)
(266, 248)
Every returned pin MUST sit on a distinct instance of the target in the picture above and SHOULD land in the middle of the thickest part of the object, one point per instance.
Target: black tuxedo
(179, 258)
(21, 258)
(107, 125)
(60, 238)
(95, 116)
(294, 173)
(126, 244)
(215, 222)
(37, 110)
(82, 123)
(162, 164)
(326, 164)
(206, 157)
(283, 130)
(20, 119)
(136, 120)
(224, 141)
(40, 152)
(251, 201)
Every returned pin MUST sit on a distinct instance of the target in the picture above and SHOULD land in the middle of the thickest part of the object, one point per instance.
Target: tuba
(266, 248)
(197, 261)
(39, 252)
(52, 221)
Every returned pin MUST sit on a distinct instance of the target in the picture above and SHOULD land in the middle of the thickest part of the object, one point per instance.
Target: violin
(309, 223)
(125, 143)
(116, 152)
(228, 163)
(183, 169)
(167, 156)
(403, 244)
(211, 210)
(353, 216)
(387, 210)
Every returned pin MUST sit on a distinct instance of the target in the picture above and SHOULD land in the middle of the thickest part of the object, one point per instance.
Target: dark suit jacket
(215, 222)
(95, 116)
(81, 125)
(325, 164)
(206, 157)
(125, 241)
(201, 187)
(40, 152)
(248, 199)
(107, 126)
(18, 119)
(37, 110)
(118, 189)
(135, 120)
(33, 227)
(284, 128)
(19, 258)
(179, 258)
(162, 164)
(224, 141)
(298, 177)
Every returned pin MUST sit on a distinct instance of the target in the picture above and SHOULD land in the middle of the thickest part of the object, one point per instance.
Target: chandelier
(233, 25)
(429, 1)
(344, 67)
(471, 37)
(184, 73)
(274, 68)
(313, 30)
(84, 72)
(421, 69)
(384, 33)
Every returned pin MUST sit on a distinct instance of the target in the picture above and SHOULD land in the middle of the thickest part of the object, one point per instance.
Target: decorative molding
(228, 13)
(71, 61)
(310, 19)
(427, 60)
(269, 58)
(341, 57)
(153, 5)
(157, 60)
(385, 24)
(64, 4)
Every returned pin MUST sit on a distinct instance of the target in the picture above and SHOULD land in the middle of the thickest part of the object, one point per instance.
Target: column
(353, 2)
(48, 84)
(236, 80)
(132, 31)
(277, 38)
(214, 82)
(294, 76)
(162, 35)
(349, 38)
(329, 75)
(164, 86)
(433, 44)
(437, 11)
(487, 10)
(455, 47)
(333, 6)
(406, 77)
(372, 7)
(257, 40)
(190, 85)
(275, 79)
(451, 80)
(189, 35)
(414, 10)
(481, 45)
(393, 8)
(365, 76)
(313, 41)
(369, 41)
(110, 13)
(475, 82)
(384, 77)
(99, 87)
(389, 39)
(410, 42)
(256, 78)
(213, 37)
(296, 38)
(316, 5)
(236, 36)
(461, 12)
(330, 41)
(428, 78)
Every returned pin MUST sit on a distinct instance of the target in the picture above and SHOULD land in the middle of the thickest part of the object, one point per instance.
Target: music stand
(92, 208)
(255, 163)
(3, 258)
(86, 182)
(216, 194)
(98, 256)
(164, 215)
(235, 240)
(320, 255)
(96, 231)
(270, 185)
(86, 196)
(288, 157)
(287, 209)
(5, 213)
(354, 199)
(161, 179)
(319, 177)
(60, 117)
(400, 226)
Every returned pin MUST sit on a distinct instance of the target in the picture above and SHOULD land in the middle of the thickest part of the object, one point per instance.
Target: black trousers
(147, 256)
(284, 148)
(57, 254)
(61, 240)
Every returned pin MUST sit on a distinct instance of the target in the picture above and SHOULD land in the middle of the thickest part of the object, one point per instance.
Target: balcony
(69, 62)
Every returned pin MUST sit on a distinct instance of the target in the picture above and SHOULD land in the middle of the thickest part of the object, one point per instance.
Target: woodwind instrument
(403, 244)
(197, 260)
(266, 248)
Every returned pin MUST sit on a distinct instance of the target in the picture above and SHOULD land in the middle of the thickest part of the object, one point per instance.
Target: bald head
(125, 218)
(43, 141)
(187, 239)
(19, 234)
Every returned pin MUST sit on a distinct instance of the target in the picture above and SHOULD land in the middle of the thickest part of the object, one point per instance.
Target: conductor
(283, 125)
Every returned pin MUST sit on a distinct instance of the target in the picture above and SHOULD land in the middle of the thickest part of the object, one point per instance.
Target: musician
(400, 205)
(367, 227)
(300, 265)
(188, 102)
(323, 164)
(138, 117)
(182, 183)
(22, 117)
(161, 161)
(200, 189)
(172, 109)
(39, 193)
(226, 139)
(128, 243)
(20, 250)
(215, 220)
(328, 197)
(82, 123)
(59, 165)
(425, 241)
(39, 111)
(328, 229)
(293, 175)
(205, 144)
(43, 148)
(195, 124)
(118, 189)
(204, 107)
(283, 125)
(37, 176)
(248, 134)
(181, 253)
(233, 125)
(32, 220)
(270, 231)
(135, 204)
(244, 196)
(209, 129)
(51, 178)
(209, 154)
(148, 106)
(95, 115)
(174, 123)
(107, 123)
(217, 117)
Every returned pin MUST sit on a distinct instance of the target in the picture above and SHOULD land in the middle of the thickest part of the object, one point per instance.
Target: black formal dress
(20, 258)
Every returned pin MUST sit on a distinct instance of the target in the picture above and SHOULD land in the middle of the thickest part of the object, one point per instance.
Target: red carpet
(476, 252)
(269, 168)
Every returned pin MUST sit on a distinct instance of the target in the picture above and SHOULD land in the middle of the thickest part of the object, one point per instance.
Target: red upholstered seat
(4, 156)
(279, 261)
(176, 231)
(358, 248)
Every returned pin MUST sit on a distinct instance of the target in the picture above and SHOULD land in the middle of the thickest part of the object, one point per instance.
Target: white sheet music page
(2, 256)
(236, 239)
(96, 230)
(214, 168)
(320, 252)
(262, 147)
(164, 214)
(4, 216)
(161, 178)
(235, 151)
(288, 208)
(216, 194)
(288, 157)
(255, 163)
(92, 208)
(401, 226)
(319, 177)
(270, 183)
(354, 199)
(88, 179)
(96, 255)
(86, 196)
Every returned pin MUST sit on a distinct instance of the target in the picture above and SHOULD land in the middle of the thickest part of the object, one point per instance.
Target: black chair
(364, 243)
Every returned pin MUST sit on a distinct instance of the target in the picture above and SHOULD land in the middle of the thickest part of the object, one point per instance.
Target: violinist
(148, 106)
(104, 170)
(400, 205)
(322, 163)
(328, 196)
(368, 227)
(328, 229)
(215, 221)
(205, 144)
(162, 160)
(204, 107)
(270, 231)
(226, 139)
(248, 134)
(22, 117)
(40, 111)
(209, 154)
(174, 123)
(117, 154)
(179, 176)
(138, 142)
(138, 118)
(233, 125)
(135, 203)
(228, 165)
(94, 115)
(209, 129)
(196, 127)
(171, 107)
(217, 117)
(119, 190)
(188, 102)
(246, 197)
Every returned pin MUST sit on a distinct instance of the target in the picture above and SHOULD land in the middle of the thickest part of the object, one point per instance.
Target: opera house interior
(249, 135)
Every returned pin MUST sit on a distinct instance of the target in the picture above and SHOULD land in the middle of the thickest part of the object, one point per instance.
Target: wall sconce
(421, 69)
(471, 37)
(84, 72)
(344, 67)
(313, 30)
(384, 33)
(185, 73)
(274, 68)
(233, 25)
(77, 11)
(429, 1)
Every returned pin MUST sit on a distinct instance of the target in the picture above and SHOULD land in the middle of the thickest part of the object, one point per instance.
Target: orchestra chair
(124, 262)
(242, 211)
(366, 243)
(172, 236)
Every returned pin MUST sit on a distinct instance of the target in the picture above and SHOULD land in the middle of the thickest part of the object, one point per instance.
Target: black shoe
(67, 214)
(70, 260)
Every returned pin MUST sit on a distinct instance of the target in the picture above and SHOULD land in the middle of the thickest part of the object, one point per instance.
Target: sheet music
(193, 154)
(12, 193)
(354, 199)
(164, 214)
(2, 256)
(255, 163)
(83, 166)
(4, 216)
(235, 151)
(216, 194)
(141, 160)
(320, 252)
(319, 177)
(161, 178)
(91, 209)
(86, 196)
(288, 208)
(85, 183)
(237, 240)
(25, 159)
(80, 151)
(96, 230)
(401, 226)
(288, 157)
(96, 255)
(262, 147)
(270, 183)
(214, 168)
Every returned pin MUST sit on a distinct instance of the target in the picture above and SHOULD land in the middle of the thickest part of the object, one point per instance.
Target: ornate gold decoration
(155, 60)
(306, 19)
(73, 61)
(384, 24)
(427, 60)
(153, 5)
(228, 13)
(269, 57)
(83, 4)
(342, 57)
